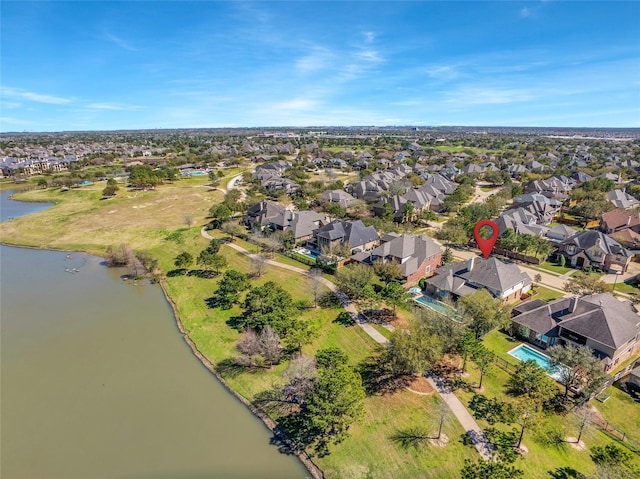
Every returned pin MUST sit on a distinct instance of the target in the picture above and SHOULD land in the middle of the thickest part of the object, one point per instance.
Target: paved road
(471, 427)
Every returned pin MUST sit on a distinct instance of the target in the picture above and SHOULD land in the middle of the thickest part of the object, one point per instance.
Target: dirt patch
(420, 385)
(573, 442)
(442, 441)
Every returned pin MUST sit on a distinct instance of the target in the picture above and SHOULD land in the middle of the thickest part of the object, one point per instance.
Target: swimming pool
(525, 353)
(439, 307)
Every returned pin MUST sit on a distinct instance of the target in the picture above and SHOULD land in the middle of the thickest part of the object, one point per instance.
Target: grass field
(154, 221)
(555, 268)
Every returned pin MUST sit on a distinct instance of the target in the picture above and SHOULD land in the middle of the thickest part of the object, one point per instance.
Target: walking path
(468, 423)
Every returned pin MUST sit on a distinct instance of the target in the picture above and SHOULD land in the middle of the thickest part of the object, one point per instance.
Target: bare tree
(316, 286)
(258, 264)
(443, 415)
(188, 220)
(269, 344)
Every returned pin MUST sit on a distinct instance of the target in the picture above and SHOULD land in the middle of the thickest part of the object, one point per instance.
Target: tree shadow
(203, 273)
(176, 272)
(565, 473)
(344, 319)
(412, 437)
(230, 368)
(236, 322)
(217, 301)
(377, 378)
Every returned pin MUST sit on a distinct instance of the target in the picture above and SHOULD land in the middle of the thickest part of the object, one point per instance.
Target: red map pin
(486, 244)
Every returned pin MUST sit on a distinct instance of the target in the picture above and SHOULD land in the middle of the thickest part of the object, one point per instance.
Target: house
(300, 223)
(261, 214)
(545, 209)
(397, 203)
(521, 221)
(559, 233)
(595, 249)
(610, 327)
(417, 256)
(620, 219)
(340, 197)
(503, 280)
(621, 199)
(353, 233)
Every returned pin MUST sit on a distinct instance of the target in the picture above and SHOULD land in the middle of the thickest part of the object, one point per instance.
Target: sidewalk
(460, 412)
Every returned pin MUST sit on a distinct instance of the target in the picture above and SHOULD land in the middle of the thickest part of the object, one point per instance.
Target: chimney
(628, 220)
(573, 304)
(470, 263)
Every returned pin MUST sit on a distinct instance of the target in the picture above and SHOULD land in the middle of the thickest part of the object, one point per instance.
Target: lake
(97, 381)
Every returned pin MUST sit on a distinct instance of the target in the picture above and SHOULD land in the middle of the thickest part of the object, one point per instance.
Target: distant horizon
(128, 65)
(285, 129)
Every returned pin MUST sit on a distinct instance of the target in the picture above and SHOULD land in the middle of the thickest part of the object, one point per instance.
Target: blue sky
(128, 65)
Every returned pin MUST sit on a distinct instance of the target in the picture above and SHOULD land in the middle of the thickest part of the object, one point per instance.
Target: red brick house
(417, 256)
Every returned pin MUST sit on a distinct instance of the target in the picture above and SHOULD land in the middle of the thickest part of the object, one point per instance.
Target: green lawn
(555, 268)
(546, 294)
(627, 288)
(382, 330)
(370, 451)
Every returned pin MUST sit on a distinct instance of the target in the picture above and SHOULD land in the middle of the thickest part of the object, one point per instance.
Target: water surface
(98, 383)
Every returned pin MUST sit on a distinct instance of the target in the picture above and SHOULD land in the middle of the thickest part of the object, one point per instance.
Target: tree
(493, 469)
(258, 263)
(334, 210)
(183, 260)
(260, 349)
(576, 367)
(395, 294)
(483, 359)
(188, 220)
(583, 284)
(447, 256)
(300, 374)
(352, 279)
(466, 345)
(415, 350)
(214, 246)
(298, 335)
(387, 271)
(336, 401)
(230, 285)
(232, 229)
(610, 455)
(269, 305)
(562, 261)
(110, 190)
(532, 382)
(316, 286)
(483, 312)
(220, 213)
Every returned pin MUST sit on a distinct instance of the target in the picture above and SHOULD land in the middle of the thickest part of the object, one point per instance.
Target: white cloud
(444, 72)
(18, 93)
(120, 42)
(112, 106)
(525, 12)
(369, 37)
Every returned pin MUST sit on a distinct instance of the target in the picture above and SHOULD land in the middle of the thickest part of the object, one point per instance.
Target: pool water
(433, 304)
(525, 353)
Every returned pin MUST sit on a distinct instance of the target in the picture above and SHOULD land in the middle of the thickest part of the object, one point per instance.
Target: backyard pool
(525, 353)
(438, 306)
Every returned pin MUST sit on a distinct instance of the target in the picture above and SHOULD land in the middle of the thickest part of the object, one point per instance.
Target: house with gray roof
(353, 233)
(260, 215)
(505, 281)
(340, 197)
(608, 326)
(417, 256)
(591, 248)
(300, 223)
(622, 199)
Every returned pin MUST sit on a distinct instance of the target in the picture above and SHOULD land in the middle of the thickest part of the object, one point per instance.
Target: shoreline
(303, 457)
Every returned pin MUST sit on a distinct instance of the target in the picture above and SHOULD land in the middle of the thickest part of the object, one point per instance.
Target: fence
(630, 442)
